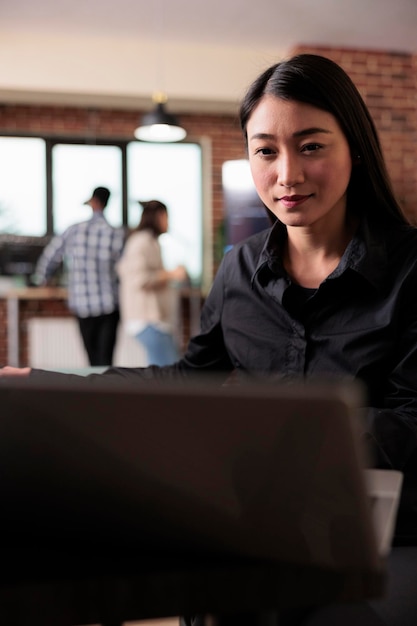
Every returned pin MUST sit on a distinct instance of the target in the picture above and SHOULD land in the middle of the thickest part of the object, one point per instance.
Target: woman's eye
(264, 151)
(311, 147)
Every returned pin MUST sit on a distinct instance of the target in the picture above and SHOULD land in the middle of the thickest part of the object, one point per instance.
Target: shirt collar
(366, 254)
(98, 215)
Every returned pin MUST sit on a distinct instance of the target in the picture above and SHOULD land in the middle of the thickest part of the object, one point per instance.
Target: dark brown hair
(150, 216)
(320, 82)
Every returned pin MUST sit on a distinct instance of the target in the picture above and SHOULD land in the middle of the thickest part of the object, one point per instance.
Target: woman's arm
(15, 371)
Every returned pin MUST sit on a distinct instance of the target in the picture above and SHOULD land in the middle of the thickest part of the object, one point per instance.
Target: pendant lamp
(159, 125)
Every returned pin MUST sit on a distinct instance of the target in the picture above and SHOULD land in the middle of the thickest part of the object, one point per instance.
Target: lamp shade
(160, 126)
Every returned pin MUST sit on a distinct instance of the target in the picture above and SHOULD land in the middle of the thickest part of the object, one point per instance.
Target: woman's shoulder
(398, 245)
(402, 237)
(140, 238)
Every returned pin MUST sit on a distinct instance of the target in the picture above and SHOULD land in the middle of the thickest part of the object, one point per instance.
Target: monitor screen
(19, 255)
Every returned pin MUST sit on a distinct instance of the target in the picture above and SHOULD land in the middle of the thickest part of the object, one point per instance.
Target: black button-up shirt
(361, 323)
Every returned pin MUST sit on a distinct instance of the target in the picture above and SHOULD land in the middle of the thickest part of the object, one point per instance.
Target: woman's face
(300, 161)
(163, 221)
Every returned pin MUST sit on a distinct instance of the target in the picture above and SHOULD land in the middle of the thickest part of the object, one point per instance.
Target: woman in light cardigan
(146, 295)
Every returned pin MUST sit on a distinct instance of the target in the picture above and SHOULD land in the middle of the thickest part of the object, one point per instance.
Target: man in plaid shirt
(90, 250)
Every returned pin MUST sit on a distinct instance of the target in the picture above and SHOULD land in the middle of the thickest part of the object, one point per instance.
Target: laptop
(267, 472)
(384, 490)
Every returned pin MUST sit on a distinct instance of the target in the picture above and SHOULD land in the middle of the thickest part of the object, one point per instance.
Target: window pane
(171, 173)
(76, 171)
(23, 186)
(245, 213)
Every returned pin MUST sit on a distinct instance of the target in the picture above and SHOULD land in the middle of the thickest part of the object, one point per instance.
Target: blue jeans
(159, 345)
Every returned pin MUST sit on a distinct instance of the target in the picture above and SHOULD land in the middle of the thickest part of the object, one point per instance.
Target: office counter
(19, 305)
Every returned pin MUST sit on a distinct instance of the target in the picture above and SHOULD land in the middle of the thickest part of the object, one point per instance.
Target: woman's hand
(15, 371)
(179, 274)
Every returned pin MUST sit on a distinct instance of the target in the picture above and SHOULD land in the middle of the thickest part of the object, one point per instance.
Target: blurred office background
(76, 79)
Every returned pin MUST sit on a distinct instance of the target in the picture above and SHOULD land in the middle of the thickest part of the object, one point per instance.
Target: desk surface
(35, 293)
(58, 293)
(64, 588)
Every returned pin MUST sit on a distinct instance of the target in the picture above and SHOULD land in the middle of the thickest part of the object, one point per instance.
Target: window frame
(122, 144)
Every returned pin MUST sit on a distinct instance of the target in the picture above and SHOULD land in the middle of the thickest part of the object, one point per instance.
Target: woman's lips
(292, 201)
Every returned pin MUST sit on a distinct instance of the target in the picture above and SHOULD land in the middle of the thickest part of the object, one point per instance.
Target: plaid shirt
(90, 250)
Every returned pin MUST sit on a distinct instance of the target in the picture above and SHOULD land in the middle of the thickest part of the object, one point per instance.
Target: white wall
(43, 67)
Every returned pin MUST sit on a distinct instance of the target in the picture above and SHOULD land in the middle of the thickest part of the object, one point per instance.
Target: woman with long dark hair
(147, 300)
(329, 290)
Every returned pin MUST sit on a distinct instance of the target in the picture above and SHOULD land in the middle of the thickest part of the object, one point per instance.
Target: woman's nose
(290, 171)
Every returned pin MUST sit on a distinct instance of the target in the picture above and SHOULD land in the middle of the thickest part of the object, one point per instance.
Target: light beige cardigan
(143, 300)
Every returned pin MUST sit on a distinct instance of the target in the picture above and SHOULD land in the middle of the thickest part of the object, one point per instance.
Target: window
(245, 213)
(45, 183)
(170, 173)
(76, 170)
(23, 186)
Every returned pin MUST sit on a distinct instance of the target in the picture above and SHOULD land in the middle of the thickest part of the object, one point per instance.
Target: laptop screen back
(256, 471)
